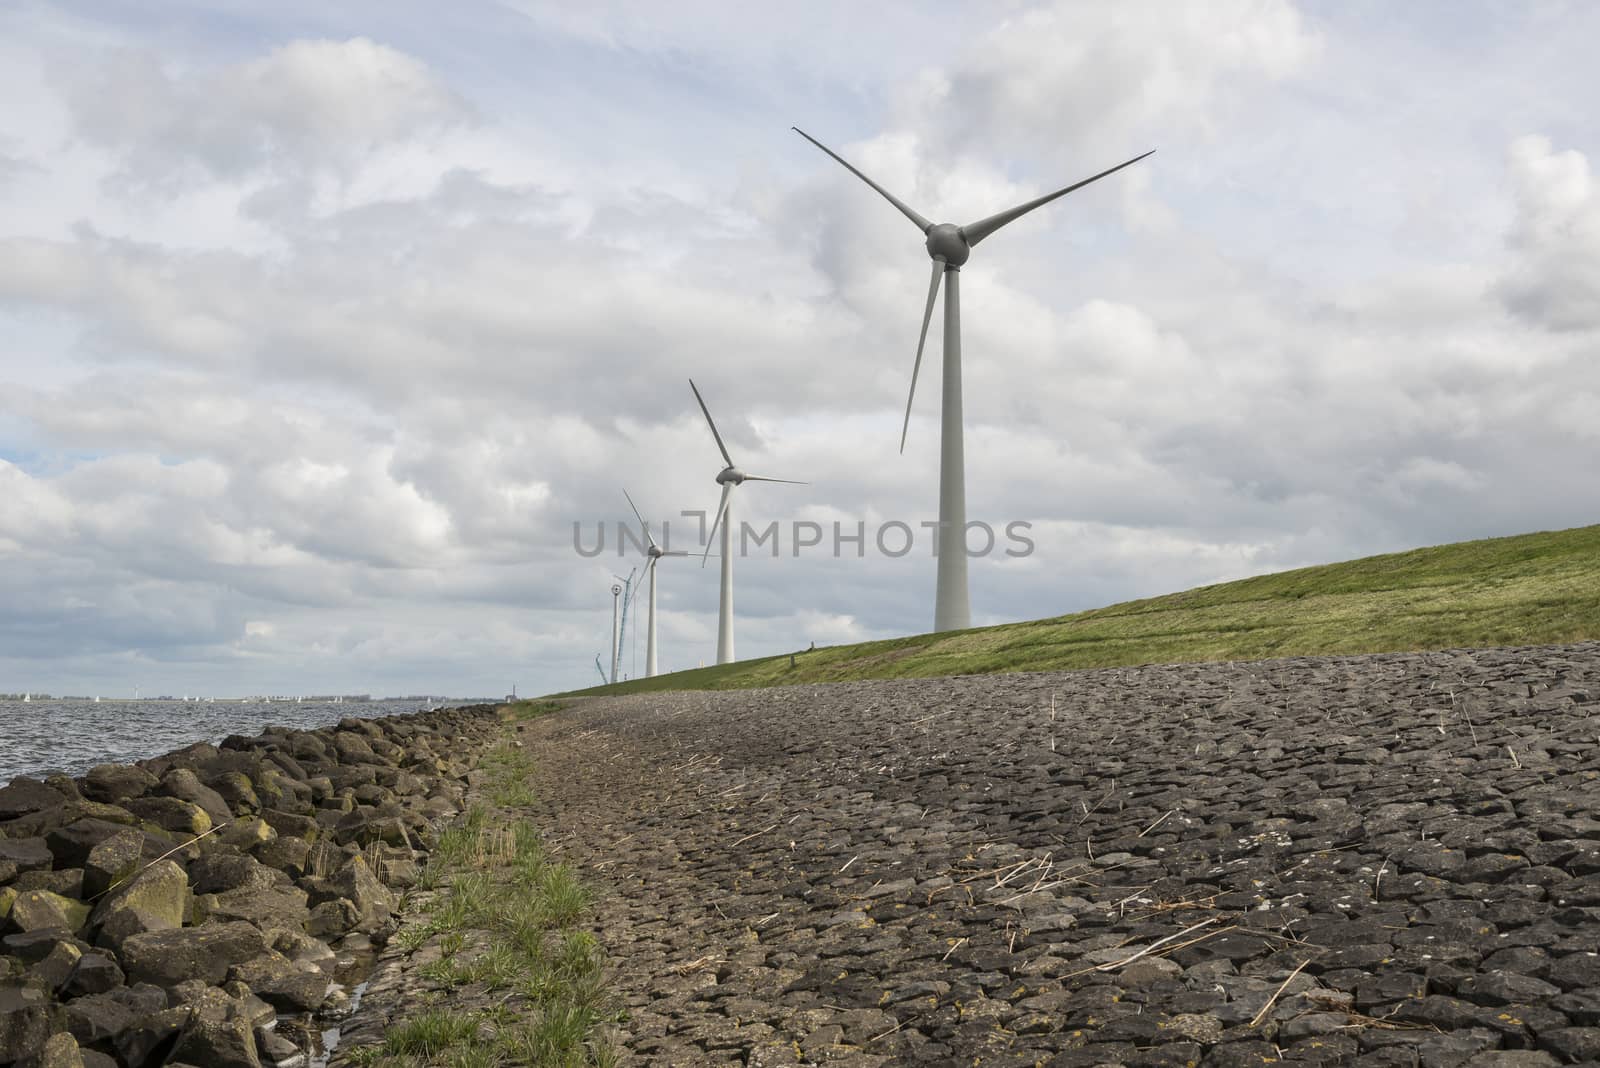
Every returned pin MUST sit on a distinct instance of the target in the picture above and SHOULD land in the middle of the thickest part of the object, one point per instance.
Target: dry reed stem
(1153, 946)
(184, 845)
(1256, 1022)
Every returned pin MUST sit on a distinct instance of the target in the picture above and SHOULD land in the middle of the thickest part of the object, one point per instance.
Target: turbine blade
(922, 224)
(676, 552)
(709, 420)
(789, 481)
(722, 506)
(984, 227)
(640, 518)
(927, 315)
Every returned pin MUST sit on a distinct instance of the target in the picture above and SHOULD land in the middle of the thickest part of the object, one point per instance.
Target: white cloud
(1555, 281)
(309, 105)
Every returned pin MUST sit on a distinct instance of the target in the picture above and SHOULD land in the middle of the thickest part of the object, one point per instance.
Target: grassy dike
(493, 934)
(1525, 590)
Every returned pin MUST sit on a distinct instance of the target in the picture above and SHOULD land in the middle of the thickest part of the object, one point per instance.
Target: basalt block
(114, 783)
(60, 1050)
(111, 861)
(167, 958)
(285, 984)
(24, 795)
(28, 854)
(235, 788)
(356, 883)
(72, 844)
(98, 1019)
(171, 814)
(95, 973)
(38, 910)
(25, 1022)
(264, 906)
(160, 892)
(185, 785)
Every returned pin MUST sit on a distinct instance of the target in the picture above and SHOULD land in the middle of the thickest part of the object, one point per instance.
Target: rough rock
(167, 958)
(113, 783)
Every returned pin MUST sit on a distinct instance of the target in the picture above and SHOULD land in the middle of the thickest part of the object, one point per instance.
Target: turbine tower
(655, 553)
(949, 246)
(728, 478)
(616, 633)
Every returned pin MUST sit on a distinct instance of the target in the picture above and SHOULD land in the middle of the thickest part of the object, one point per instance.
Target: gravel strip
(1378, 859)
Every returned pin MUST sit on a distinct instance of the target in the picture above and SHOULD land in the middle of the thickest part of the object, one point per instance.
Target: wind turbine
(949, 246)
(655, 553)
(616, 633)
(728, 478)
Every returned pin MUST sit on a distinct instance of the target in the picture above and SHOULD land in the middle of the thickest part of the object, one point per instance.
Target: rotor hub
(730, 476)
(946, 242)
(655, 552)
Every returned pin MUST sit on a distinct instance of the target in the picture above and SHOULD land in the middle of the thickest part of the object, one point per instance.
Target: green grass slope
(1524, 590)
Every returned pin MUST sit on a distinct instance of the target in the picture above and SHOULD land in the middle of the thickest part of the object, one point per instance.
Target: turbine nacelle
(947, 243)
(731, 476)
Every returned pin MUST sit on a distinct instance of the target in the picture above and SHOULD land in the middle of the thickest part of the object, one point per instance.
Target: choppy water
(74, 736)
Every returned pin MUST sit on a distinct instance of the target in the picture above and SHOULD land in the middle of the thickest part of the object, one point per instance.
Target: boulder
(41, 823)
(221, 871)
(57, 966)
(219, 1032)
(68, 882)
(24, 1022)
(37, 910)
(171, 814)
(112, 860)
(354, 882)
(167, 958)
(302, 948)
(291, 824)
(30, 947)
(71, 844)
(149, 1040)
(160, 892)
(123, 924)
(60, 1050)
(113, 783)
(234, 787)
(244, 833)
(95, 973)
(100, 1018)
(330, 919)
(285, 854)
(282, 983)
(24, 795)
(267, 907)
(185, 785)
(28, 854)
(8, 897)
(353, 748)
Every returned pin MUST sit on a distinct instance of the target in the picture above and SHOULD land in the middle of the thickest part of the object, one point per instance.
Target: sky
(329, 333)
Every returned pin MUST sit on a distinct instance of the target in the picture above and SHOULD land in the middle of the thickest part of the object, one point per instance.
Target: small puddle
(318, 1034)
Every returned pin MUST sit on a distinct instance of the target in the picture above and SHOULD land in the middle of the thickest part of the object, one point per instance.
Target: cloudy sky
(322, 325)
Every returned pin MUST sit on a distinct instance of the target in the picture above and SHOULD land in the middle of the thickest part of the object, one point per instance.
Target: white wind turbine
(949, 246)
(728, 478)
(655, 553)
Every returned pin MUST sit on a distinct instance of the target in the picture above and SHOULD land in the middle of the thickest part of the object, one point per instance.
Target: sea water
(73, 736)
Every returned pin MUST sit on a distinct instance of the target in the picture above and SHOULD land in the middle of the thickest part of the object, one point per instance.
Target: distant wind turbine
(655, 553)
(728, 478)
(949, 246)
